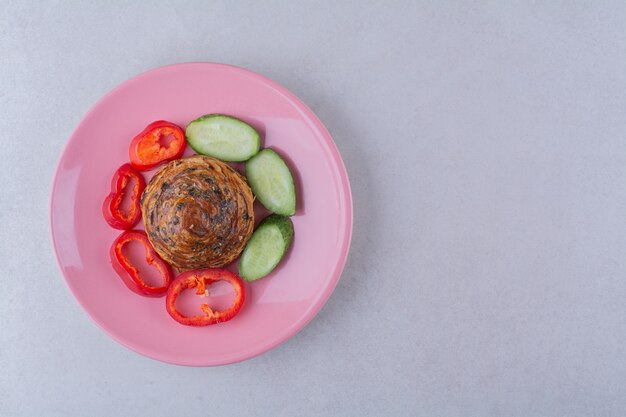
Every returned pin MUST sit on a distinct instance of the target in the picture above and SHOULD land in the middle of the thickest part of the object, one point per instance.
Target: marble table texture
(486, 148)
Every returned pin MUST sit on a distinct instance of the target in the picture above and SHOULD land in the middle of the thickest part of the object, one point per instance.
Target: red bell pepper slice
(199, 279)
(129, 274)
(146, 150)
(111, 209)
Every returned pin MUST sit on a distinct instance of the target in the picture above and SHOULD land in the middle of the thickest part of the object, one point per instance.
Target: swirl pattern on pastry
(198, 213)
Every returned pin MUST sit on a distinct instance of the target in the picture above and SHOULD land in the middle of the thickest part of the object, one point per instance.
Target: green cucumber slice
(266, 247)
(271, 182)
(223, 137)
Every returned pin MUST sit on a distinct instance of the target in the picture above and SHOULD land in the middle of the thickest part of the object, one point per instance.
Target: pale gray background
(486, 146)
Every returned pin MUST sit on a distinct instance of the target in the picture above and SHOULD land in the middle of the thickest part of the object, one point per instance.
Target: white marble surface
(486, 146)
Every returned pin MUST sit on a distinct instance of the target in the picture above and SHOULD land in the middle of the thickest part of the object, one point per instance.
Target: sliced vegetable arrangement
(272, 183)
(266, 247)
(223, 137)
(120, 184)
(199, 280)
(198, 211)
(130, 274)
(151, 148)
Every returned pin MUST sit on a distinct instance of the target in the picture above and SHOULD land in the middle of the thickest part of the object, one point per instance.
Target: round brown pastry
(198, 213)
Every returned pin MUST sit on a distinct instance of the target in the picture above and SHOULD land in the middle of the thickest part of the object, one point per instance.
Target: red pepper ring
(199, 279)
(111, 209)
(146, 150)
(129, 274)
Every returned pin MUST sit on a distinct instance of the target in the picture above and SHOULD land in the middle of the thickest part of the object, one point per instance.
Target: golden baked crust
(198, 213)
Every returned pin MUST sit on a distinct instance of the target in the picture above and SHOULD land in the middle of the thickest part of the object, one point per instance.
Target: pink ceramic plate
(277, 306)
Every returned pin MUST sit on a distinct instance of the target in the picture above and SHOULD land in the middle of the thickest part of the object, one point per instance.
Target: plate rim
(336, 273)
